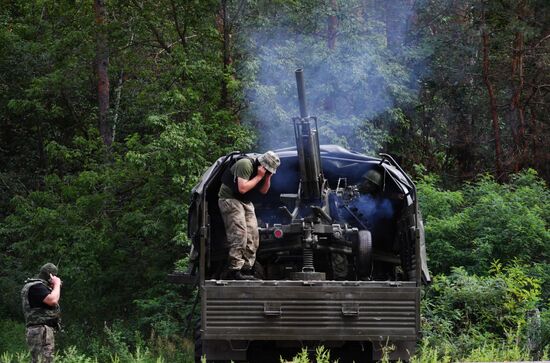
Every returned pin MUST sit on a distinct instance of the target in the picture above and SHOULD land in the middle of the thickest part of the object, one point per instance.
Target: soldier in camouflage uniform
(238, 213)
(40, 301)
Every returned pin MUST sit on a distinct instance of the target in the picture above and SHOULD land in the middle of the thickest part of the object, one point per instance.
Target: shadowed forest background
(111, 110)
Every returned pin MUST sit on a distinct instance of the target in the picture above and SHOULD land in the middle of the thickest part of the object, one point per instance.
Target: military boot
(228, 275)
(251, 272)
(242, 275)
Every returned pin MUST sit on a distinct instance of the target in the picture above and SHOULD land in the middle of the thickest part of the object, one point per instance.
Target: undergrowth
(489, 352)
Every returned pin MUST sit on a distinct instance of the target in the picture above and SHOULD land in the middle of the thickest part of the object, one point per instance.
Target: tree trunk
(517, 110)
(332, 30)
(42, 160)
(102, 67)
(396, 18)
(224, 29)
(492, 104)
(332, 25)
(118, 94)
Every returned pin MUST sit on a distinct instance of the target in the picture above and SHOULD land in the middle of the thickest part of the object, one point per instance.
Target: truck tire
(198, 346)
(364, 254)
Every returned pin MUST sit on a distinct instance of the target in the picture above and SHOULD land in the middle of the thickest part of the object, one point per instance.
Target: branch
(177, 24)
(542, 40)
(152, 28)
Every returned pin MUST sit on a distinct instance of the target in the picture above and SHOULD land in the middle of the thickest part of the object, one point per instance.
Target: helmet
(374, 177)
(270, 161)
(46, 270)
(372, 182)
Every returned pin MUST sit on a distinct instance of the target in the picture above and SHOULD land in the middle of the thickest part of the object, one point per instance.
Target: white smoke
(346, 87)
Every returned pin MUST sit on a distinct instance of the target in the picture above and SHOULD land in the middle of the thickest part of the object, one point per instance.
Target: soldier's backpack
(230, 180)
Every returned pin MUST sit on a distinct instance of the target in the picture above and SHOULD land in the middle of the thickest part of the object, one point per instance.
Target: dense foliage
(488, 247)
(486, 221)
(110, 111)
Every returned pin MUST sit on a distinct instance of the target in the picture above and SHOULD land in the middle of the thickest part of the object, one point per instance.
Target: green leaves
(465, 312)
(485, 221)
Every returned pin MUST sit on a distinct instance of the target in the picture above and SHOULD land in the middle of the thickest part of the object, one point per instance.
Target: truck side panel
(305, 310)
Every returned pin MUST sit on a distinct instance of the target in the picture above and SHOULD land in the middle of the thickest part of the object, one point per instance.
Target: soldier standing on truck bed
(237, 210)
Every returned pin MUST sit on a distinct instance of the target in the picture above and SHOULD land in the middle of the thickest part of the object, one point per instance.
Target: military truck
(340, 263)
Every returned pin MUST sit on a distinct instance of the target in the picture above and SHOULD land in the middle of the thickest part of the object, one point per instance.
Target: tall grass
(162, 350)
(71, 355)
(426, 354)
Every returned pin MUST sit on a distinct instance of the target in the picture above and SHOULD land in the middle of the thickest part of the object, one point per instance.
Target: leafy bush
(463, 312)
(485, 221)
(492, 241)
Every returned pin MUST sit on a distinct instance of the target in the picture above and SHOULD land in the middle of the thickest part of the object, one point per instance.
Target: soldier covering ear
(40, 302)
(47, 270)
(238, 213)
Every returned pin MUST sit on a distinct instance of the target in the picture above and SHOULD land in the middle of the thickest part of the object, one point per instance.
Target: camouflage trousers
(40, 339)
(241, 228)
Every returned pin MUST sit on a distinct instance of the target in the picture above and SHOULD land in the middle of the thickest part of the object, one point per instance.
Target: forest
(110, 111)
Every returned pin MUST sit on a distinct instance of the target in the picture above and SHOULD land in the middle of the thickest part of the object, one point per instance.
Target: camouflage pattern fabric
(270, 161)
(40, 339)
(241, 228)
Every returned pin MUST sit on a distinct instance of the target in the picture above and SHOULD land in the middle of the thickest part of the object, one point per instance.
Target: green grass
(163, 352)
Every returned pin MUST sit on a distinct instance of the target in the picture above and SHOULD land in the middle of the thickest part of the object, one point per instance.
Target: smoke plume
(355, 68)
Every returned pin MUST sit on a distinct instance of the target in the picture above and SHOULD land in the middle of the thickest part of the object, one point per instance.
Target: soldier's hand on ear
(55, 281)
(261, 171)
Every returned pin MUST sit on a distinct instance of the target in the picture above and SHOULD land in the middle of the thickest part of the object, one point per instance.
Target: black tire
(363, 257)
(198, 346)
(352, 352)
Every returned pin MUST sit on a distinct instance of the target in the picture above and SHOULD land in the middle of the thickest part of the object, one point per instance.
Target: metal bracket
(272, 309)
(350, 310)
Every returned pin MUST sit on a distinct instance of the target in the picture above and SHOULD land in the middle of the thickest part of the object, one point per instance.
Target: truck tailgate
(310, 310)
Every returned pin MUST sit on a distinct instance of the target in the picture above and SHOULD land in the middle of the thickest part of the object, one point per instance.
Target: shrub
(464, 312)
(485, 221)
(12, 336)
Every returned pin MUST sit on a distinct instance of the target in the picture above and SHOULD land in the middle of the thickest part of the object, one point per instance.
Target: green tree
(114, 220)
(487, 64)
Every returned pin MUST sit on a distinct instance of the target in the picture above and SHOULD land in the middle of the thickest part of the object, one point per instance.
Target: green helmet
(372, 182)
(46, 270)
(374, 176)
